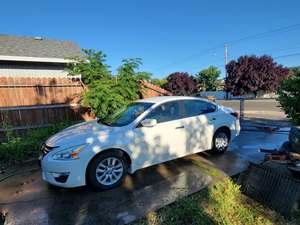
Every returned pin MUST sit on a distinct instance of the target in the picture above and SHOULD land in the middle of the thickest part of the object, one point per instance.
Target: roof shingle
(34, 47)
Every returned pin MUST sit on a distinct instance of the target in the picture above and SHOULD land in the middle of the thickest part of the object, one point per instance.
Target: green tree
(159, 82)
(104, 97)
(91, 66)
(144, 75)
(128, 79)
(289, 96)
(106, 93)
(208, 79)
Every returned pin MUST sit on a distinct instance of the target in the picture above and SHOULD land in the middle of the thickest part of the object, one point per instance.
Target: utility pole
(226, 55)
(226, 61)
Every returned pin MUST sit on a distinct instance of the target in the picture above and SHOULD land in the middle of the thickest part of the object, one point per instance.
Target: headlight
(70, 153)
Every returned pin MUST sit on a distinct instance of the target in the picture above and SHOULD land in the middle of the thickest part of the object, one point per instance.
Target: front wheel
(107, 170)
(220, 141)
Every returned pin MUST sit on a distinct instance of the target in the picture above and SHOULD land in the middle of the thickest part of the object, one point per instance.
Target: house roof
(155, 87)
(36, 47)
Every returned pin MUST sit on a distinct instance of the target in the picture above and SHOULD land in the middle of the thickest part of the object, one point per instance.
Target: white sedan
(147, 132)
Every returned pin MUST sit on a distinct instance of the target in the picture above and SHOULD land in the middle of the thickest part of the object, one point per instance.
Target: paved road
(258, 108)
(29, 200)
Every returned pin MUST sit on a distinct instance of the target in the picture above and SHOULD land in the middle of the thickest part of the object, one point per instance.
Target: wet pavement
(28, 200)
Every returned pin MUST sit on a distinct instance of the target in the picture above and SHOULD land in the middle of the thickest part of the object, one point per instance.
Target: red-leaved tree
(250, 74)
(181, 83)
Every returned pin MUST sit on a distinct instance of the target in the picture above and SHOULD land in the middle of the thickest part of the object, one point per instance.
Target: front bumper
(67, 173)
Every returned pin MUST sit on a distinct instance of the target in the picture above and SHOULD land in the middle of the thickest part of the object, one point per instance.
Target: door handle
(181, 127)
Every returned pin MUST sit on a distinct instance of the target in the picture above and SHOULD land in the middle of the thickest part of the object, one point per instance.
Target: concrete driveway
(28, 200)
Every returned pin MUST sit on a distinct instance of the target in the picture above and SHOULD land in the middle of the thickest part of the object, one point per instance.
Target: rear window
(197, 107)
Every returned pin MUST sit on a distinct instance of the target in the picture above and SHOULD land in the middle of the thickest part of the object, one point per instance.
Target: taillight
(235, 114)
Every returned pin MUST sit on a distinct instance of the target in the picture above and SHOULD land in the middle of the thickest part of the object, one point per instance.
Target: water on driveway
(29, 200)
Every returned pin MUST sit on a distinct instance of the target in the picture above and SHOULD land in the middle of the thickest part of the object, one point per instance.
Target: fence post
(242, 107)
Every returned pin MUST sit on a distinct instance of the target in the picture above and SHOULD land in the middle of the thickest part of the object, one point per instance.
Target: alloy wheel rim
(109, 171)
(221, 141)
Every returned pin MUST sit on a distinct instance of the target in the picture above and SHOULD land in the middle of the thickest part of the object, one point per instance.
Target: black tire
(93, 179)
(218, 134)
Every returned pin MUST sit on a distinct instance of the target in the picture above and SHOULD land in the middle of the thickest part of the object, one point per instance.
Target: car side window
(197, 107)
(165, 112)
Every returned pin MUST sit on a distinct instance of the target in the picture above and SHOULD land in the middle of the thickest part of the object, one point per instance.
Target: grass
(222, 204)
(17, 149)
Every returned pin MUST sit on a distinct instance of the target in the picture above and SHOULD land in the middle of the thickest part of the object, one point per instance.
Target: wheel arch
(225, 129)
(120, 150)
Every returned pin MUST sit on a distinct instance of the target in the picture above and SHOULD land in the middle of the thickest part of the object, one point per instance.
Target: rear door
(199, 123)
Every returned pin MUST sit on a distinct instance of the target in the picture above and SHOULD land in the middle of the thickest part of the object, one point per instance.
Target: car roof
(161, 99)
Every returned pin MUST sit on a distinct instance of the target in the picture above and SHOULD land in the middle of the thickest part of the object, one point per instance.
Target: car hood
(79, 134)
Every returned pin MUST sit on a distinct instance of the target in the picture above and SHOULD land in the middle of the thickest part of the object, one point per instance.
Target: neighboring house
(34, 88)
(149, 90)
(35, 56)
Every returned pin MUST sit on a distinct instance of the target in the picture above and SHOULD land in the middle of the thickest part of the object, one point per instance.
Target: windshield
(126, 115)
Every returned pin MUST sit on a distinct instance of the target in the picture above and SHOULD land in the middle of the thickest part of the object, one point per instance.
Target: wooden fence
(37, 91)
(35, 102)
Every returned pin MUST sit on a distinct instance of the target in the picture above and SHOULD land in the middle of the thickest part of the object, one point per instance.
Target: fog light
(61, 177)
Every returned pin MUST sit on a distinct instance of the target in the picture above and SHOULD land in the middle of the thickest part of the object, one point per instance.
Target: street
(28, 200)
(257, 108)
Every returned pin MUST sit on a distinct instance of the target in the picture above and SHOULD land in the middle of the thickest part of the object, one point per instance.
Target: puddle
(285, 129)
(2, 218)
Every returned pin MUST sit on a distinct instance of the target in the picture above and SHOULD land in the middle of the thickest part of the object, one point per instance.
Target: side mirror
(149, 122)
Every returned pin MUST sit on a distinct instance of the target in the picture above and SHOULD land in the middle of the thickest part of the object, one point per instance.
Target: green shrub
(21, 148)
(91, 66)
(107, 93)
(289, 98)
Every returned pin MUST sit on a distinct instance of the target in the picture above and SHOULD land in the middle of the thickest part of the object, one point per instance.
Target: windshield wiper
(103, 122)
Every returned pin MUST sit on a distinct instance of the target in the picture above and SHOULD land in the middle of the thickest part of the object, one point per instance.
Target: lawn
(222, 203)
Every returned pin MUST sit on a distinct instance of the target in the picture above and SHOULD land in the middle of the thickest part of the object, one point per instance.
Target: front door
(162, 142)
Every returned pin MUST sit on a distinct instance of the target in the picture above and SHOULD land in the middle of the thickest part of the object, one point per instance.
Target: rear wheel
(220, 141)
(107, 170)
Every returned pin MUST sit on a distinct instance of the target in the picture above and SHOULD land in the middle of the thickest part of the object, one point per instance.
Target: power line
(235, 56)
(254, 36)
(288, 55)
(275, 57)
(267, 33)
(280, 49)
(190, 57)
(267, 50)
